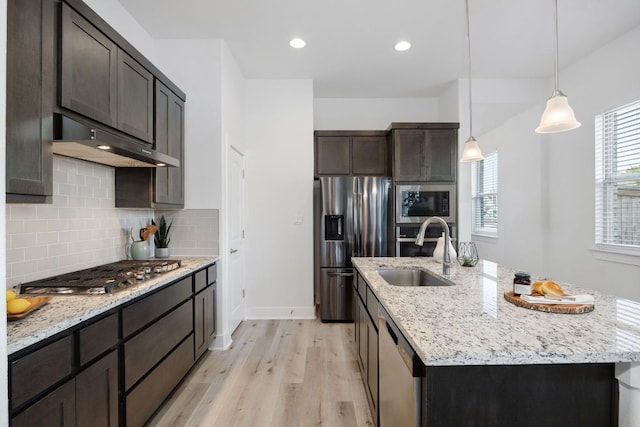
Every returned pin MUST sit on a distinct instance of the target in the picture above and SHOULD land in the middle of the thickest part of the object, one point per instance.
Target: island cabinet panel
(30, 100)
(366, 341)
(204, 306)
(97, 393)
(56, 409)
(521, 395)
(88, 75)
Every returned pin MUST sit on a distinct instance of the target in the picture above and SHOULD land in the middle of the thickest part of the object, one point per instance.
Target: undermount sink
(412, 277)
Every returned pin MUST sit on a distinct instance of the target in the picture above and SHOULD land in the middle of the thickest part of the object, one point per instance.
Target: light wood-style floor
(276, 373)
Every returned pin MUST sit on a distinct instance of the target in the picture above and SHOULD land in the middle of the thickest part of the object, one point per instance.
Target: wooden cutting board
(549, 308)
(36, 303)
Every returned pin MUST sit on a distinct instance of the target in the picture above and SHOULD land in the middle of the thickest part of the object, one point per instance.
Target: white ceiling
(349, 51)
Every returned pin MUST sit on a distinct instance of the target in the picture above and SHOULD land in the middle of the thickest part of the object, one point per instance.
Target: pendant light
(558, 116)
(471, 151)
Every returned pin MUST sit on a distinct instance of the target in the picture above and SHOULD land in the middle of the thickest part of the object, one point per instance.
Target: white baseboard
(281, 313)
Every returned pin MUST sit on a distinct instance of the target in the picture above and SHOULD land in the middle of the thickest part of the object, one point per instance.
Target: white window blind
(618, 177)
(484, 195)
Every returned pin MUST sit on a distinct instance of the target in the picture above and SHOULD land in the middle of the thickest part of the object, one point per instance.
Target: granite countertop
(472, 324)
(63, 312)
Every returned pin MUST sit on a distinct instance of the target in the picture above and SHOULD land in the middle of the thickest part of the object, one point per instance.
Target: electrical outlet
(298, 220)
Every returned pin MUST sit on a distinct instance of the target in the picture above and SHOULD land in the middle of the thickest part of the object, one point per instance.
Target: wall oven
(406, 239)
(417, 202)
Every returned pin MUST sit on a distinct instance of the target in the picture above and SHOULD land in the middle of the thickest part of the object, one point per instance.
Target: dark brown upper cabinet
(158, 187)
(100, 81)
(424, 152)
(135, 98)
(350, 153)
(88, 74)
(30, 100)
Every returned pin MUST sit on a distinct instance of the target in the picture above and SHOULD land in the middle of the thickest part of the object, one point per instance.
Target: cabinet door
(363, 344)
(30, 99)
(88, 74)
(368, 155)
(210, 314)
(372, 362)
(135, 98)
(409, 155)
(169, 129)
(199, 309)
(56, 409)
(441, 150)
(97, 393)
(333, 155)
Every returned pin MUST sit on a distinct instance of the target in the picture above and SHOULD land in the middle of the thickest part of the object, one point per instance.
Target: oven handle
(335, 274)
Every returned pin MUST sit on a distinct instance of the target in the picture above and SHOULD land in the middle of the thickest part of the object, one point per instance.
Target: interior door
(236, 238)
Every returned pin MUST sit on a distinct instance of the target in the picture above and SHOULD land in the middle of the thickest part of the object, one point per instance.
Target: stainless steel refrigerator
(351, 218)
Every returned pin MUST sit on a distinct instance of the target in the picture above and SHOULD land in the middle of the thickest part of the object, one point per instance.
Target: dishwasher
(401, 374)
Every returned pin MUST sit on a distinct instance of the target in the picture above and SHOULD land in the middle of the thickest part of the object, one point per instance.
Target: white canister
(438, 252)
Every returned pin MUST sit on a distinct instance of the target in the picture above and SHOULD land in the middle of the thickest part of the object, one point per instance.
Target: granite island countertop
(63, 312)
(471, 323)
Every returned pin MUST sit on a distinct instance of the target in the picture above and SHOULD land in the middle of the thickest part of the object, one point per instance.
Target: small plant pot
(162, 252)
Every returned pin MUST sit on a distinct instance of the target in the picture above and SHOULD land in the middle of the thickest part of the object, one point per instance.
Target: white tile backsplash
(82, 228)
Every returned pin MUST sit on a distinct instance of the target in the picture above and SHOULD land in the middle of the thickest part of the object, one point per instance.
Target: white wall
(547, 182)
(195, 66)
(371, 113)
(279, 187)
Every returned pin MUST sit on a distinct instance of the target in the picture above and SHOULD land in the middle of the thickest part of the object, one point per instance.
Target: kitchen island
(487, 359)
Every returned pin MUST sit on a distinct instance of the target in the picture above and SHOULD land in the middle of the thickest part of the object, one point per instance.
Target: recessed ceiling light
(402, 46)
(297, 43)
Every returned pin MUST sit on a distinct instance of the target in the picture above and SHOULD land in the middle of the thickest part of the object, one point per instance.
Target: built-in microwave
(417, 202)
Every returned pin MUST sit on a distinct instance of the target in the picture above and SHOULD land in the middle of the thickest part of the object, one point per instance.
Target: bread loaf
(547, 288)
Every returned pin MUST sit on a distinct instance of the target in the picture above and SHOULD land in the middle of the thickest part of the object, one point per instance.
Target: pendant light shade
(558, 116)
(471, 151)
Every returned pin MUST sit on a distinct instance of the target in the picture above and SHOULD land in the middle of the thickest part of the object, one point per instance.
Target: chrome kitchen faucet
(446, 258)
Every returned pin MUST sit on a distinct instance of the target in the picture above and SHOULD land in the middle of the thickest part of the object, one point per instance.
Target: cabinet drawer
(200, 280)
(98, 337)
(142, 312)
(143, 400)
(146, 349)
(212, 273)
(36, 371)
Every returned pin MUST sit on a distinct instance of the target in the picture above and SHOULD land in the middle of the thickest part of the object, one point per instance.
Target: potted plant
(162, 238)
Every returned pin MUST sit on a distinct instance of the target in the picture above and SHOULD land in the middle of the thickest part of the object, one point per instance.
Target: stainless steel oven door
(417, 202)
(407, 247)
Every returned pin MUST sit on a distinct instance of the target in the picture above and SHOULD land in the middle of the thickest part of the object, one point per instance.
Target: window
(618, 177)
(484, 196)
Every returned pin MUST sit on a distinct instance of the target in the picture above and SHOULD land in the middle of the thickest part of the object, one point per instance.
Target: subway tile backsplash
(82, 228)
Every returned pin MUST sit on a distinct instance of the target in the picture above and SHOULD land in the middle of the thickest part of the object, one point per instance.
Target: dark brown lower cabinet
(118, 369)
(366, 342)
(204, 319)
(147, 396)
(56, 409)
(97, 393)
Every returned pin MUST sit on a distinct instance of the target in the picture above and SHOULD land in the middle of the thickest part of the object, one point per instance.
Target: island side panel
(521, 395)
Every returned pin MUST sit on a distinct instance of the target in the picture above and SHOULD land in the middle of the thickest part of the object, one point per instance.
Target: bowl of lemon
(18, 307)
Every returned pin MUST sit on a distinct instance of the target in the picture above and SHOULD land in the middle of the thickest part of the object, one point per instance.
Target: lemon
(17, 306)
(11, 295)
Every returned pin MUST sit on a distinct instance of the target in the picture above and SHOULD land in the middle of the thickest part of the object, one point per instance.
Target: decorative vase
(467, 254)
(438, 252)
(162, 252)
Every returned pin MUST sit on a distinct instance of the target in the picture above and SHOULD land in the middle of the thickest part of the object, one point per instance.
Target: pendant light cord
(469, 67)
(555, 33)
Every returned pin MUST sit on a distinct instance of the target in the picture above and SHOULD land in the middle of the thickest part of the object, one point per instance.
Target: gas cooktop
(103, 279)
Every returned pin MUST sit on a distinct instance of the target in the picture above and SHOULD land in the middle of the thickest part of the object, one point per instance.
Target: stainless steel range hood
(81, 141)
